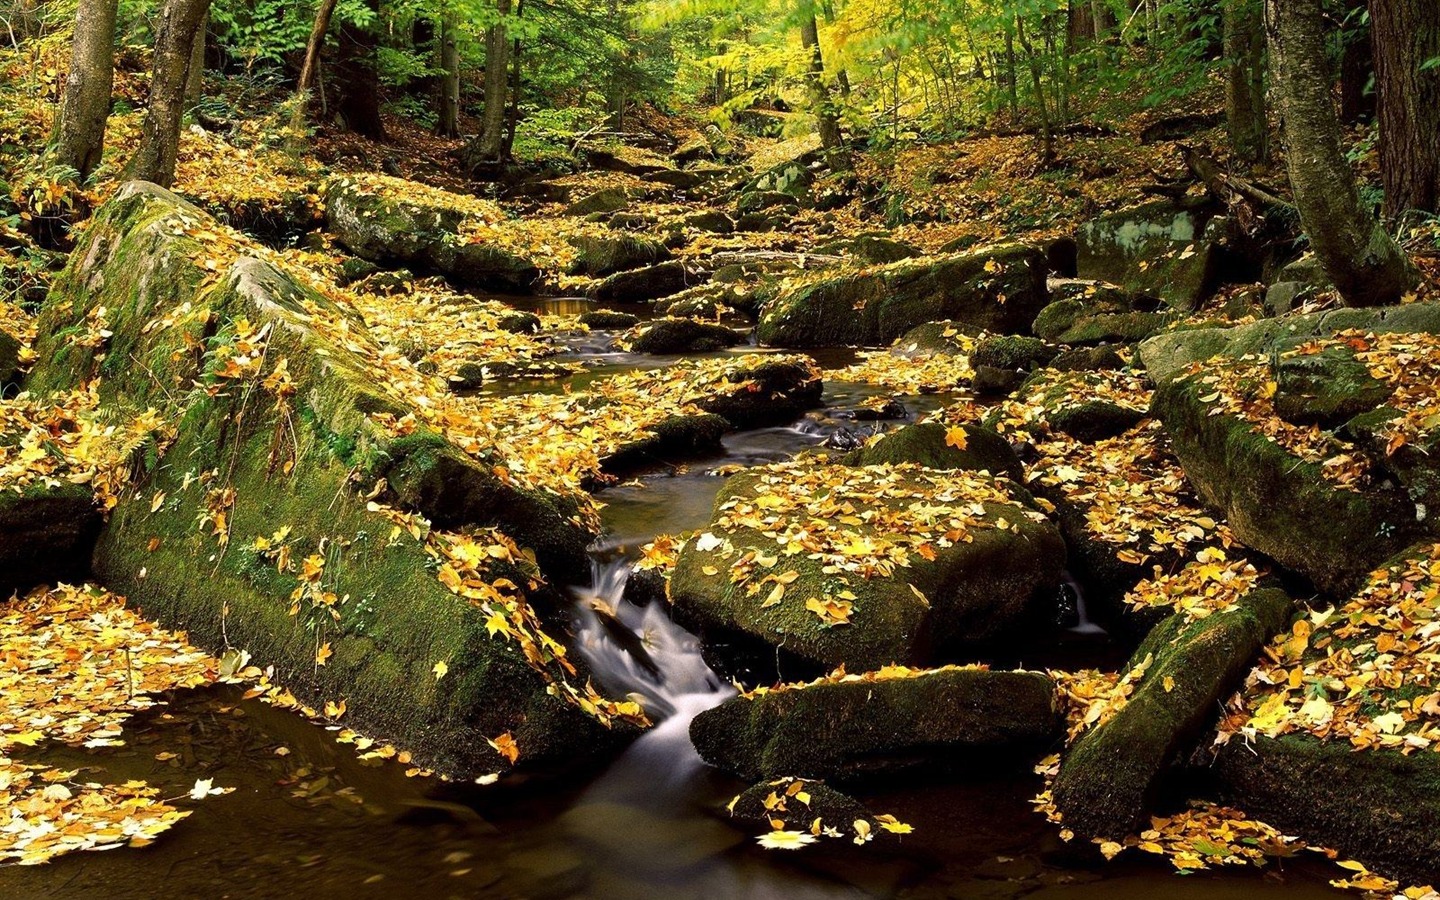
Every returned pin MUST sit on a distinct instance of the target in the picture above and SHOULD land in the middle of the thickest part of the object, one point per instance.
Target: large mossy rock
(46, 536)
(1166, 356)
(859, 726)
(647, 283)
(999, 289)
(606, 254)
(1185, 670)
(1158, 248)
(1278, 503)
(932, 445)
(419, 234)
(284, 448)
(868, 566)
(680, 335)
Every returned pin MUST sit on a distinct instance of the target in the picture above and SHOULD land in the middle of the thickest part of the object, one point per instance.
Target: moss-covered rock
(1167, 355)
(712, 221)
(602, 255)
(1011, 351)
(873, 249)
(608, 320)
(1094, 420)
(929, 445)
(945, 336)
(672, 335)
(1109, 778)
(294, 447)
(1157, 247)
(647, 283)
(953, 595)
(854, 728)
(775, 392)
(1278, 503)
(876, 306)
(395, 231)
(608, 200)
(756, 807)
(1326, 389)
(46, 536)
(1100, 358)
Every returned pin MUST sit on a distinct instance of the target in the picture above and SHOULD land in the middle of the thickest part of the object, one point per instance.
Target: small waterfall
(1082, 625)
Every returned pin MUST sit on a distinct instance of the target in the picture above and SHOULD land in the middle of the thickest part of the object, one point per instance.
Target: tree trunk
(512, 118)
(820, 102)
(80, 127)
(486, 151)
(317, 41)
(359, 80)
(448, 122)
(195, 79)
(1357, 101)
(1404, 35)
(1365, 264)
(1042, 107)
(160, 135)
(1245, 115)
(1098, 18)
(1011, 80)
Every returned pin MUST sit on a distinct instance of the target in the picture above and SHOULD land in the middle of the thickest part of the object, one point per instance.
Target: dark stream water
(317, 822)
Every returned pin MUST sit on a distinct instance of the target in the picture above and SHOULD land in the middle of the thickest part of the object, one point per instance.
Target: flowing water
(309, 818)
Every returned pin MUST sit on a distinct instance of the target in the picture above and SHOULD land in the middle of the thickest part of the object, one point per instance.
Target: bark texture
(1366, 265)
(820, 102)
(448, 122)
(80, 128)
(487, 150)
(323, 12)
(1245, 80)
(160, 135)
(1404, 34)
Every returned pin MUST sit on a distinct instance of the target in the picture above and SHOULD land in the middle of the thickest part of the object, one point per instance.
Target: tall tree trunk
(160, 135)
(1042, 107)
(1245, 114)
(1405, 34)
(820, 102)
(80, 127)
(195, 79)
(485, 151)
(1012, 87)
(359, 79)
(512, 118)
(1367, 266)
(321, 26)
(448, 122)
(1098, 18)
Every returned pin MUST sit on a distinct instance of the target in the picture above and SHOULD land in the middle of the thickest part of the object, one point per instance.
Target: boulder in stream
(605, 254)
(647, 283)
(932, 445)
(679, 335)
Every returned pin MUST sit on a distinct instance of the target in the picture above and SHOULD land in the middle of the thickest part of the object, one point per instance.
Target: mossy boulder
(930, 445)
(397, 231)
(945, 336)
(854, 728)
(1416, 463)
(1166, 356)
(1094, 420)
(1326, 389)
(872, 249)
(756, 808)
(712, 221)
(647, 283)
(602, 255)
(1110, 777)
(1278, 503)
(775, 393)
(304, 461)
(608, 320)
(999, 289)
(46, 536)
(1012, 352)
(672, 335)
(608, 200)
(955, 595)
(1157, 247)
(1100, 358)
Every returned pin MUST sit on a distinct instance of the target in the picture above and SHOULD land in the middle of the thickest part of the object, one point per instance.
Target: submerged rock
(280, 450)
(1181, 674)
(405, 231)
(876, 306)
(938, 560)
(852, 727)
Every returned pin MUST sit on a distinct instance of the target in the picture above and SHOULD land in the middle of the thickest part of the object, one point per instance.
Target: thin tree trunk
(512, 119)
(1245, 115)
(1405, 34)
(1097, 18)
(1047, 138)
(1011, 80)
(485, 151)
(820, 102)
(448, 122)
(160, 134)
(195, 80)
(321, 26)
(1366, 265)
(80, 127)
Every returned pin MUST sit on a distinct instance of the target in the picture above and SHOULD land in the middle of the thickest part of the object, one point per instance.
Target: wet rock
(648, 283)
(609, 200)
(991, 382)
(608, 320)
(879, 305)
(1156, 247)
(860, 727)
(683, 336)
(951, 338)
(754, 808)
(777, 392)
(1088, 359)
(1094, 420)
(396, 619)
(1278, 503)
(520, 323)
(1326, 389)
(1167, 355)
(928, 444)
(46, 536)
(601, 255)
(948, 598)
(1110, 776)
(678, 437)
(710, 301)
(1009, 351)
(395, 231)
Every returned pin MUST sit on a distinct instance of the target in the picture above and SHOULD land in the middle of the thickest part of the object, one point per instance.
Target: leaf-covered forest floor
(99, 663)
